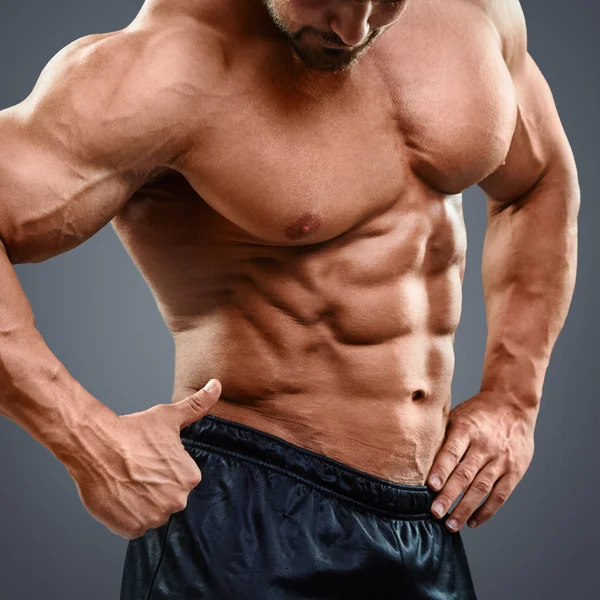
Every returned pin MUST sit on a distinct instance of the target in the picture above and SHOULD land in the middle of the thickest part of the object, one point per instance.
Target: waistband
(316, 470)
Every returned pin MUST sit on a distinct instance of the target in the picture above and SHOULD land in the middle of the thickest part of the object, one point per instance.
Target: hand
(138, 472)
(488, 448)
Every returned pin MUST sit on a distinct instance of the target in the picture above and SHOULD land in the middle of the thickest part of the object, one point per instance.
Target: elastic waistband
(316, 470)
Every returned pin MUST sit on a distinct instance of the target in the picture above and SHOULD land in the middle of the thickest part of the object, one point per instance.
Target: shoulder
(508, 20)
(145, 57)
(142, 85)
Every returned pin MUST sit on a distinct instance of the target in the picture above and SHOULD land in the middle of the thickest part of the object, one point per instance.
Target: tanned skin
(297, 214)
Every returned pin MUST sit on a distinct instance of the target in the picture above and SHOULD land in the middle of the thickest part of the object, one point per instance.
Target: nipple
(307, 223)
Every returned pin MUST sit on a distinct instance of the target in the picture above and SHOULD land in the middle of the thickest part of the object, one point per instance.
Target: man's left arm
(528, 270)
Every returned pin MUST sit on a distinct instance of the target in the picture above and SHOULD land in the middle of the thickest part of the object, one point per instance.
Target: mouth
(335, 47)
(328, 45)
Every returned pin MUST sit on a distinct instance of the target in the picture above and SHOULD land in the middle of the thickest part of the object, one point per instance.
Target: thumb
(194, 407)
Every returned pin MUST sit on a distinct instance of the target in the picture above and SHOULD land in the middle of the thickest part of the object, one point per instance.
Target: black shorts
(273, 521)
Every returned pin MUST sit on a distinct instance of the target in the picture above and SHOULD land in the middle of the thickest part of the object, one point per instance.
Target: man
(287, 175)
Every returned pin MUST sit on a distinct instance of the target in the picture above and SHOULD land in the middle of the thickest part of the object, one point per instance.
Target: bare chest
(287, 157)
(291, 161)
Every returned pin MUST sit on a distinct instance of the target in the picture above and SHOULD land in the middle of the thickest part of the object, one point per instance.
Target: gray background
(97, 315)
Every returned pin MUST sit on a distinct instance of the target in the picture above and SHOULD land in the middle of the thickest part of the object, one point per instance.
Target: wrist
(524, 406)
(38, 394)
(79, 431)
(518, 379)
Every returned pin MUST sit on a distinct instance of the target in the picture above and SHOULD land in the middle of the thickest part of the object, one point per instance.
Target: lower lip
(330, 47)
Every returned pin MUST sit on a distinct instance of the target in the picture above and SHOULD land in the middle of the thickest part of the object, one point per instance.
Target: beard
(305, 44)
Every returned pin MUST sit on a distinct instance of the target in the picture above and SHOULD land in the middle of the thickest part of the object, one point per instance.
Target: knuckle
(513, 464)
(482, 485)
(178, 506)
(195, 479)
(501, 496)
(199, 401)
(156, 522)
(191, 485)
(454, 451)
(463, 475)
(486, 447)
(120, 532)
(192, 476)
(133, 534)
(463, 425)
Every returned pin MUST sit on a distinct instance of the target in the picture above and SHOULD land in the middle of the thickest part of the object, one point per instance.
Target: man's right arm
(71, 155)
(107, 111)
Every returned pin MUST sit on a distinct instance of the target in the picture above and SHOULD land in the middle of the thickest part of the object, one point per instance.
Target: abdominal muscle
(345, 349)
(392, 432)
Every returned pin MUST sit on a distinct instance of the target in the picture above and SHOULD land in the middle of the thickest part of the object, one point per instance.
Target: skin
(348, 29)
(297, 215)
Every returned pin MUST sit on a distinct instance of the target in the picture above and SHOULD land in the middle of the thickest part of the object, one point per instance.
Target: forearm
(36, 390)
(529, 268)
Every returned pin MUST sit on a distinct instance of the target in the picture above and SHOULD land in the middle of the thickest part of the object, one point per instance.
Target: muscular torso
(310, 248)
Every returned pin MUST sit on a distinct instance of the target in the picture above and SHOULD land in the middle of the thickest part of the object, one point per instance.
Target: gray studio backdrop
(97, 315)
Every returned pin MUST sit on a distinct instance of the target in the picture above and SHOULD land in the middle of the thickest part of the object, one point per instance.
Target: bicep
(51, 198)
(75, 150)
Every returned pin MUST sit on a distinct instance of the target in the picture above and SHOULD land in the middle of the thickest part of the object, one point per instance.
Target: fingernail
(472, 523)
(210, 386)
(436, 482)
(438, 508)
(452, 524)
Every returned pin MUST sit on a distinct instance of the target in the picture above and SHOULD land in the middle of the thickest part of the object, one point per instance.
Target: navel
(306, 224)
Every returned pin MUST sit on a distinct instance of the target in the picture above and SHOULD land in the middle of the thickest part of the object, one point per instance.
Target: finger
(448, 457)
(458, 481)
(480, 487)
(197, 405)
(500, 493)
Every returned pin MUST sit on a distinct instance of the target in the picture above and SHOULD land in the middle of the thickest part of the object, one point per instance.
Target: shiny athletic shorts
(273, 521)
